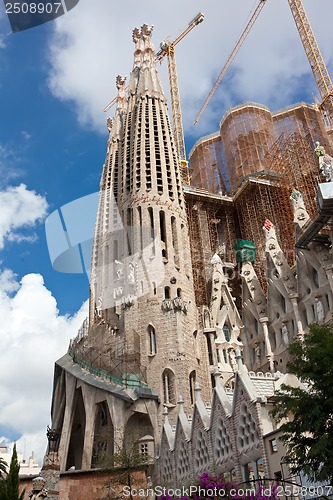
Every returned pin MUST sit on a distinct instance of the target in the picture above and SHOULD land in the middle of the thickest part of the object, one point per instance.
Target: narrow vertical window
(140, 230)
(226, 331)
(130, 231)
(152, 231)
(169, 389)
(163, 235)
(174, 240)
(152, 340)
(209, 348)
(115, 250)
(192, 379)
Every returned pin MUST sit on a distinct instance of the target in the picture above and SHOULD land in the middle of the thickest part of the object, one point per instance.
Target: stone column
(269, 354)
(300, 331)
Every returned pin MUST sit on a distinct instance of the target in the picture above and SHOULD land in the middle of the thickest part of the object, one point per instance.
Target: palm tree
(3, 467)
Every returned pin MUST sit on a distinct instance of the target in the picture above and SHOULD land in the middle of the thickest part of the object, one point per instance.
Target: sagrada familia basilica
(196, 291)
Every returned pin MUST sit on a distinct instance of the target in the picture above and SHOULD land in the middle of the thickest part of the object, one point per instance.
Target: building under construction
(252, 165)
(196, 289)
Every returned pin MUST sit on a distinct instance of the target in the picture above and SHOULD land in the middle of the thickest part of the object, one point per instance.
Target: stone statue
(320, 310)
(325, 162)
(257, 351)
(109, 124)
(232, 359)
(285, 334)
(38, 489)
(121, 98)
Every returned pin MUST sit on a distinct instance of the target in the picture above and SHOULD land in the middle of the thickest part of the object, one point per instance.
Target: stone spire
(142, 286)
(145, 79)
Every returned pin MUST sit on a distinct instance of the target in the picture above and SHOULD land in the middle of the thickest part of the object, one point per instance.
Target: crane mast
(315, 59)
(177, 116)
(168, 49)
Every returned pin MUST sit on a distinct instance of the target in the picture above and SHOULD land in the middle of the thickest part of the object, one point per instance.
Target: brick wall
(88, 485)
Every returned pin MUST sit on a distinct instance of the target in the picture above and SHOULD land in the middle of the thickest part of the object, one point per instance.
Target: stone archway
(76, 443)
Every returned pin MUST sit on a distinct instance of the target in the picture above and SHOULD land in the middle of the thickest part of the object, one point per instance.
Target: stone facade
(187, 339)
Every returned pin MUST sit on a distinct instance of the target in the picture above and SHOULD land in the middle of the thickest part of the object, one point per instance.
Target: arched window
(167, 292)
(209, 349)
(192, 379)
(226, 331)
(169, 387)
(115, 250)
(283, 303)
(163, 237)
(315, 277)
(151, 340)
(196, 344)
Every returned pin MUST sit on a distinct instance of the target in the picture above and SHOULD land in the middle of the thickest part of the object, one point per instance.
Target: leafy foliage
(3, 467)
(9, 486)
(122, 463)
(308, 435)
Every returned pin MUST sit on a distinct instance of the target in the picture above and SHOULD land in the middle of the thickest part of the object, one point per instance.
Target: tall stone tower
(142, 284)
(141, 338)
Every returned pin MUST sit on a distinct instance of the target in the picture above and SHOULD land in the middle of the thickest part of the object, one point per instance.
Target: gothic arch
(169, 387)
(76, 443)
(139, 433)
(103, 435)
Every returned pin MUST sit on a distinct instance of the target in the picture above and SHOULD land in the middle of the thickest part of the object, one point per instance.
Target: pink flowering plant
(218, 488)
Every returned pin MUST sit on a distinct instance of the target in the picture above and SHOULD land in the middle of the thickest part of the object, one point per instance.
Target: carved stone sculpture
(325, 162)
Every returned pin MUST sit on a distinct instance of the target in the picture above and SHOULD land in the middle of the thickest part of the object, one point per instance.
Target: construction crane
(318, 66)
(231, 58)
(167, 48)
(312, 51)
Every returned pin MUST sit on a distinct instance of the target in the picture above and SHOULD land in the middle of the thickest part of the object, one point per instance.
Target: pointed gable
(200, 440)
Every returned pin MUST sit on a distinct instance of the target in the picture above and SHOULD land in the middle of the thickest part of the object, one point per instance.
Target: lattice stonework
(201, 454)
(247, 429)
(183, 464)
(222, 445)
(166, 468)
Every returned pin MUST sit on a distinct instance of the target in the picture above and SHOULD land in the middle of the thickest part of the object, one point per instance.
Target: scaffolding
(211, 221)
(294, 158)
(105, 353)
(247, 133)
(207, 165)
(291, 164)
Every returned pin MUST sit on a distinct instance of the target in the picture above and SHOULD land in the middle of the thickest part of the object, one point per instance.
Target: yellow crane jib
(167, 48)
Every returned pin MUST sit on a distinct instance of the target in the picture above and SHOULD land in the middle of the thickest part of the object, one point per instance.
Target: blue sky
(54, 83)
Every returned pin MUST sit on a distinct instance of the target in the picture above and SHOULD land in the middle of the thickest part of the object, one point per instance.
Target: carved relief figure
(285, 334)
(38, 489)
(320, 310)
(325, 162)
(300, 213)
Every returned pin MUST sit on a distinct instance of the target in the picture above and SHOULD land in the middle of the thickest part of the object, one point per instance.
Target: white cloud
(33, 335)
(92, 44)
(19, 208)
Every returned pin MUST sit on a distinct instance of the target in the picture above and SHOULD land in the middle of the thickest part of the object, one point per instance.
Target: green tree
(9, 486)
(308, 432)
(122, 463)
